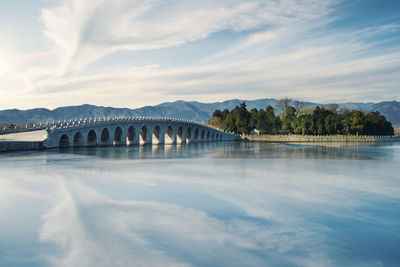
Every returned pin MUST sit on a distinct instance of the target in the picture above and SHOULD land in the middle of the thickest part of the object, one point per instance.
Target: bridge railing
(54, 126)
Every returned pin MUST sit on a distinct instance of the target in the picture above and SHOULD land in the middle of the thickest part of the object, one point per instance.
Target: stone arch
(144, 133)
(64, 141)
(196, 134)
(78, 139)
(189, 134)
(179, 135)
(131, 135)
(169, 135)
(118, 135)
(91, 139)
(105, 137)
(208, 135)
(203, 134)
(156, 136)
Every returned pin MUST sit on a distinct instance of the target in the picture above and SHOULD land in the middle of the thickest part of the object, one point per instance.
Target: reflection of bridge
(128, 131)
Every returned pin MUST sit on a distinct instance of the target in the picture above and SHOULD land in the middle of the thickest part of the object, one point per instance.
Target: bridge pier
(144, 135)
(189, 135)
(157, 136)
(180, 135)
(118, 136)
(169, 135)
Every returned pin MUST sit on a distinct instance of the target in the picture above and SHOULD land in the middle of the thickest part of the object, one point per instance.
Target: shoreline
(321, 138)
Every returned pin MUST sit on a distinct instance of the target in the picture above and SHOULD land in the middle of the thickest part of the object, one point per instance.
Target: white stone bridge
(130, 131)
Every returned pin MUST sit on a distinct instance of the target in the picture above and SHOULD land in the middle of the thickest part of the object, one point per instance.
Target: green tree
(229, 123)
(254, 119)
(358, 122)
(307, 124)
(333, 124)
(242, 119)
(320, 121)
(288, 117)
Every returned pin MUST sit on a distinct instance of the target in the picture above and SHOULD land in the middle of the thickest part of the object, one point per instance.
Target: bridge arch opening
(91, 138)
(117, 136)
(64, 141)
(78, 139)
(144, 132)
(196, 134)
(217, 137)
(169, 136)
(156, 137)
(188, 134)
(105, 137)
(131, 135)
(208, 135)
(213, 137)
(203, 134)
(220, 137)
(179, 135)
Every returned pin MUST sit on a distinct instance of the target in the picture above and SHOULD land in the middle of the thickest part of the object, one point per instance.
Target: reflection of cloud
(277, 209)
(94, 230)
(7, 188)
(80, 225)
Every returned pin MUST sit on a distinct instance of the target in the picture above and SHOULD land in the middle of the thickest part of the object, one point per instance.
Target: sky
(130, 53)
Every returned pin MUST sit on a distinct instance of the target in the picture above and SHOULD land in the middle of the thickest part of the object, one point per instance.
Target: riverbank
(321, 138)
(9, 146)
(22, 141)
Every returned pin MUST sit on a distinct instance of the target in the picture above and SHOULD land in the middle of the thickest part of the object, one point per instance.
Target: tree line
(298, 119)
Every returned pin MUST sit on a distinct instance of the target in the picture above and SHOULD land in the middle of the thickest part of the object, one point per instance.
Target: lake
(209, 204)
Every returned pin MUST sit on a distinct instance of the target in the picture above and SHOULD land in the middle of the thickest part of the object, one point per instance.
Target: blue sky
(130, 53)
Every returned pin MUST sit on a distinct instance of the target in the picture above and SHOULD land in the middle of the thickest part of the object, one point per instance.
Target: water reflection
(300, 151)
(147, 151)
(204, 204)
(236, 150)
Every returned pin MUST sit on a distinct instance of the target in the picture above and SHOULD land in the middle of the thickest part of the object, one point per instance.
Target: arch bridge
(130, 131)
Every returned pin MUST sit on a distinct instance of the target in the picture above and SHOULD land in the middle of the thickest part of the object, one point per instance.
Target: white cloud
(305, 73)
(85, 31)
(287, 48)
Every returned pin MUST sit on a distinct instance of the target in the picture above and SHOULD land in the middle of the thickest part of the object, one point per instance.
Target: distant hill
(391, 110)
(190, 110)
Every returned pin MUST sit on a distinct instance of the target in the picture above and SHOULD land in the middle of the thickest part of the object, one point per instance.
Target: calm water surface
(228, 204)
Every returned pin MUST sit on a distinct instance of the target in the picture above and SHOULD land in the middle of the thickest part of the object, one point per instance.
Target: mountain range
(190, 110)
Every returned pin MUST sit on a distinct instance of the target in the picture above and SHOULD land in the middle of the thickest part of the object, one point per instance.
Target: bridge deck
(130, 131)
(29, 136)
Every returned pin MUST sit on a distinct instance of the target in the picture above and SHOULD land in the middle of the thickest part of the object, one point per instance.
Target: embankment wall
(322, 138)
(7, 146)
